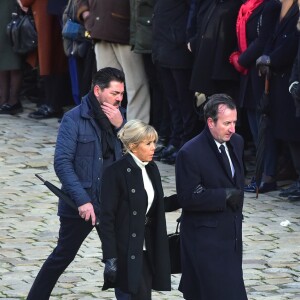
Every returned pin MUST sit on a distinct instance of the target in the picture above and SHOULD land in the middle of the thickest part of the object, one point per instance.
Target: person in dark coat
(253, 33)
(174, 60)
(132, 218)
(278, 57)
(214, 41)
(209, 183)
(86, 144)
(255, 24)
(293, 192)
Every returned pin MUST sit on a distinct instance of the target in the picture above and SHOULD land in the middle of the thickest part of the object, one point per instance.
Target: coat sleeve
(194, 194)
(295, 71)
(109, 199)
(64, 157)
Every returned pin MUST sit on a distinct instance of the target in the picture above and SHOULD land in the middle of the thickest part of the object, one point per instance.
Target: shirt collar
(219, 144)
(140, 163)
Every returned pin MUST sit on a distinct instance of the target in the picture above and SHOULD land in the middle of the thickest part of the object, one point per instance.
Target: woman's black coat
(282, 49)
(123, 208)
(259, 28)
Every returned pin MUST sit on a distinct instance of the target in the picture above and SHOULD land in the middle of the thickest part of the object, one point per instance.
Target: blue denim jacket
(78, 160)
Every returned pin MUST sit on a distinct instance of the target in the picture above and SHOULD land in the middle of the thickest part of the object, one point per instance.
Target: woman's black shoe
(8, 109)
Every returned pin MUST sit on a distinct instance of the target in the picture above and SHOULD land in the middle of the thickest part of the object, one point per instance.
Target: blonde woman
(132, 218)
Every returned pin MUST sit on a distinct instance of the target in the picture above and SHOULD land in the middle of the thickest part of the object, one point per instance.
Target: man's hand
(25, 9)
(110, 270)
(86, 212)
(113, 114)
(85, 15)
(234, 198)
(263, 64)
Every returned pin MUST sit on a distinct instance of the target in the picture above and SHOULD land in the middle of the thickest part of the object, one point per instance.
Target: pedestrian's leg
(136, 81)
(185, 104)
(4, 86)
(16, 77)
(71, 235)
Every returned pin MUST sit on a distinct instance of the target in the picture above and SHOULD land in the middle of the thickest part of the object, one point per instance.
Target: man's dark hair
(211, 108)
(104, 76)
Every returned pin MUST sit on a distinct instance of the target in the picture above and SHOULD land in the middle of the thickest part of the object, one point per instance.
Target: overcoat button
(133, 235)
(128, 170)
(133, 191)
(132, 256)
(134, 213)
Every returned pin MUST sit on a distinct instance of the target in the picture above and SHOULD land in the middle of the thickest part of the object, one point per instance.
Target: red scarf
(243, 16)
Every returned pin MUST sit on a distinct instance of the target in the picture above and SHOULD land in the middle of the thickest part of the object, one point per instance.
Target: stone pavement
(29, 226)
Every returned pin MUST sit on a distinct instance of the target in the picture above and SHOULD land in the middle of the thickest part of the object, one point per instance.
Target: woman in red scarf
(255, 24)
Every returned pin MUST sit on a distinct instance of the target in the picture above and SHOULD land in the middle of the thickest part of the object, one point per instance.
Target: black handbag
(22, 32)
(76, 40)
(174, 249)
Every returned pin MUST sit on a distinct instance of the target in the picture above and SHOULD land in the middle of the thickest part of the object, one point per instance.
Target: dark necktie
(225, 159)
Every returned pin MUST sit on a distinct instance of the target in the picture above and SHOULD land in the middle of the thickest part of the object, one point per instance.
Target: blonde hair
(136, 131)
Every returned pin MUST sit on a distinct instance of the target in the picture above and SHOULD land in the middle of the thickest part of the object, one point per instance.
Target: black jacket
(169, 48)
(212, 45)
(122, 224)
(260, 26)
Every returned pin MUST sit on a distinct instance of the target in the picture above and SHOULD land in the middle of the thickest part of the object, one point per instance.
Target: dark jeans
(72, 233)
(183, 116)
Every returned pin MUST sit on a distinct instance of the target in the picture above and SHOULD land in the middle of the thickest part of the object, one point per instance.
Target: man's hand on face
(113, 114)
(86, 212)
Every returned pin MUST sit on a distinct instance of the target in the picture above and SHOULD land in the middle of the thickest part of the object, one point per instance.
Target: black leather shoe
(8, 109)
(267, 187)
(166, 152)
(295, 196)
(171, 159)
(45, 112)
(160, 146)
(289, 191)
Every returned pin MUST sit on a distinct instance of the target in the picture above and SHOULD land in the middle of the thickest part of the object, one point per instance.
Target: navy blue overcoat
(211, 233)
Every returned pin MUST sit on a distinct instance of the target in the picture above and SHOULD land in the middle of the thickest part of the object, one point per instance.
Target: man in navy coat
(209, 182)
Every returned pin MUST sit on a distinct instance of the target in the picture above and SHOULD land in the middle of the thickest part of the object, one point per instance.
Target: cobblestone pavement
(29, 226)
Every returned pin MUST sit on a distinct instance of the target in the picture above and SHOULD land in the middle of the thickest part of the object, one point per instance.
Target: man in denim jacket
(86, 144)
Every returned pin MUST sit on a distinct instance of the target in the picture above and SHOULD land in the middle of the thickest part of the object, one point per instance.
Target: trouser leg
(295, 153)
(72, 233)
(137, 88)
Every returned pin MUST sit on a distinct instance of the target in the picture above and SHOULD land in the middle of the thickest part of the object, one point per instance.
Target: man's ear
(97, 90)
(210, 123)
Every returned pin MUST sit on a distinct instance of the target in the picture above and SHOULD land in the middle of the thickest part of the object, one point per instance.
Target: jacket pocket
(84, 159)
(206, 223)
(85, 145)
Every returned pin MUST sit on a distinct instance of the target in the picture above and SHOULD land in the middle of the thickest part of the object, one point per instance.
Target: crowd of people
(176, 56)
